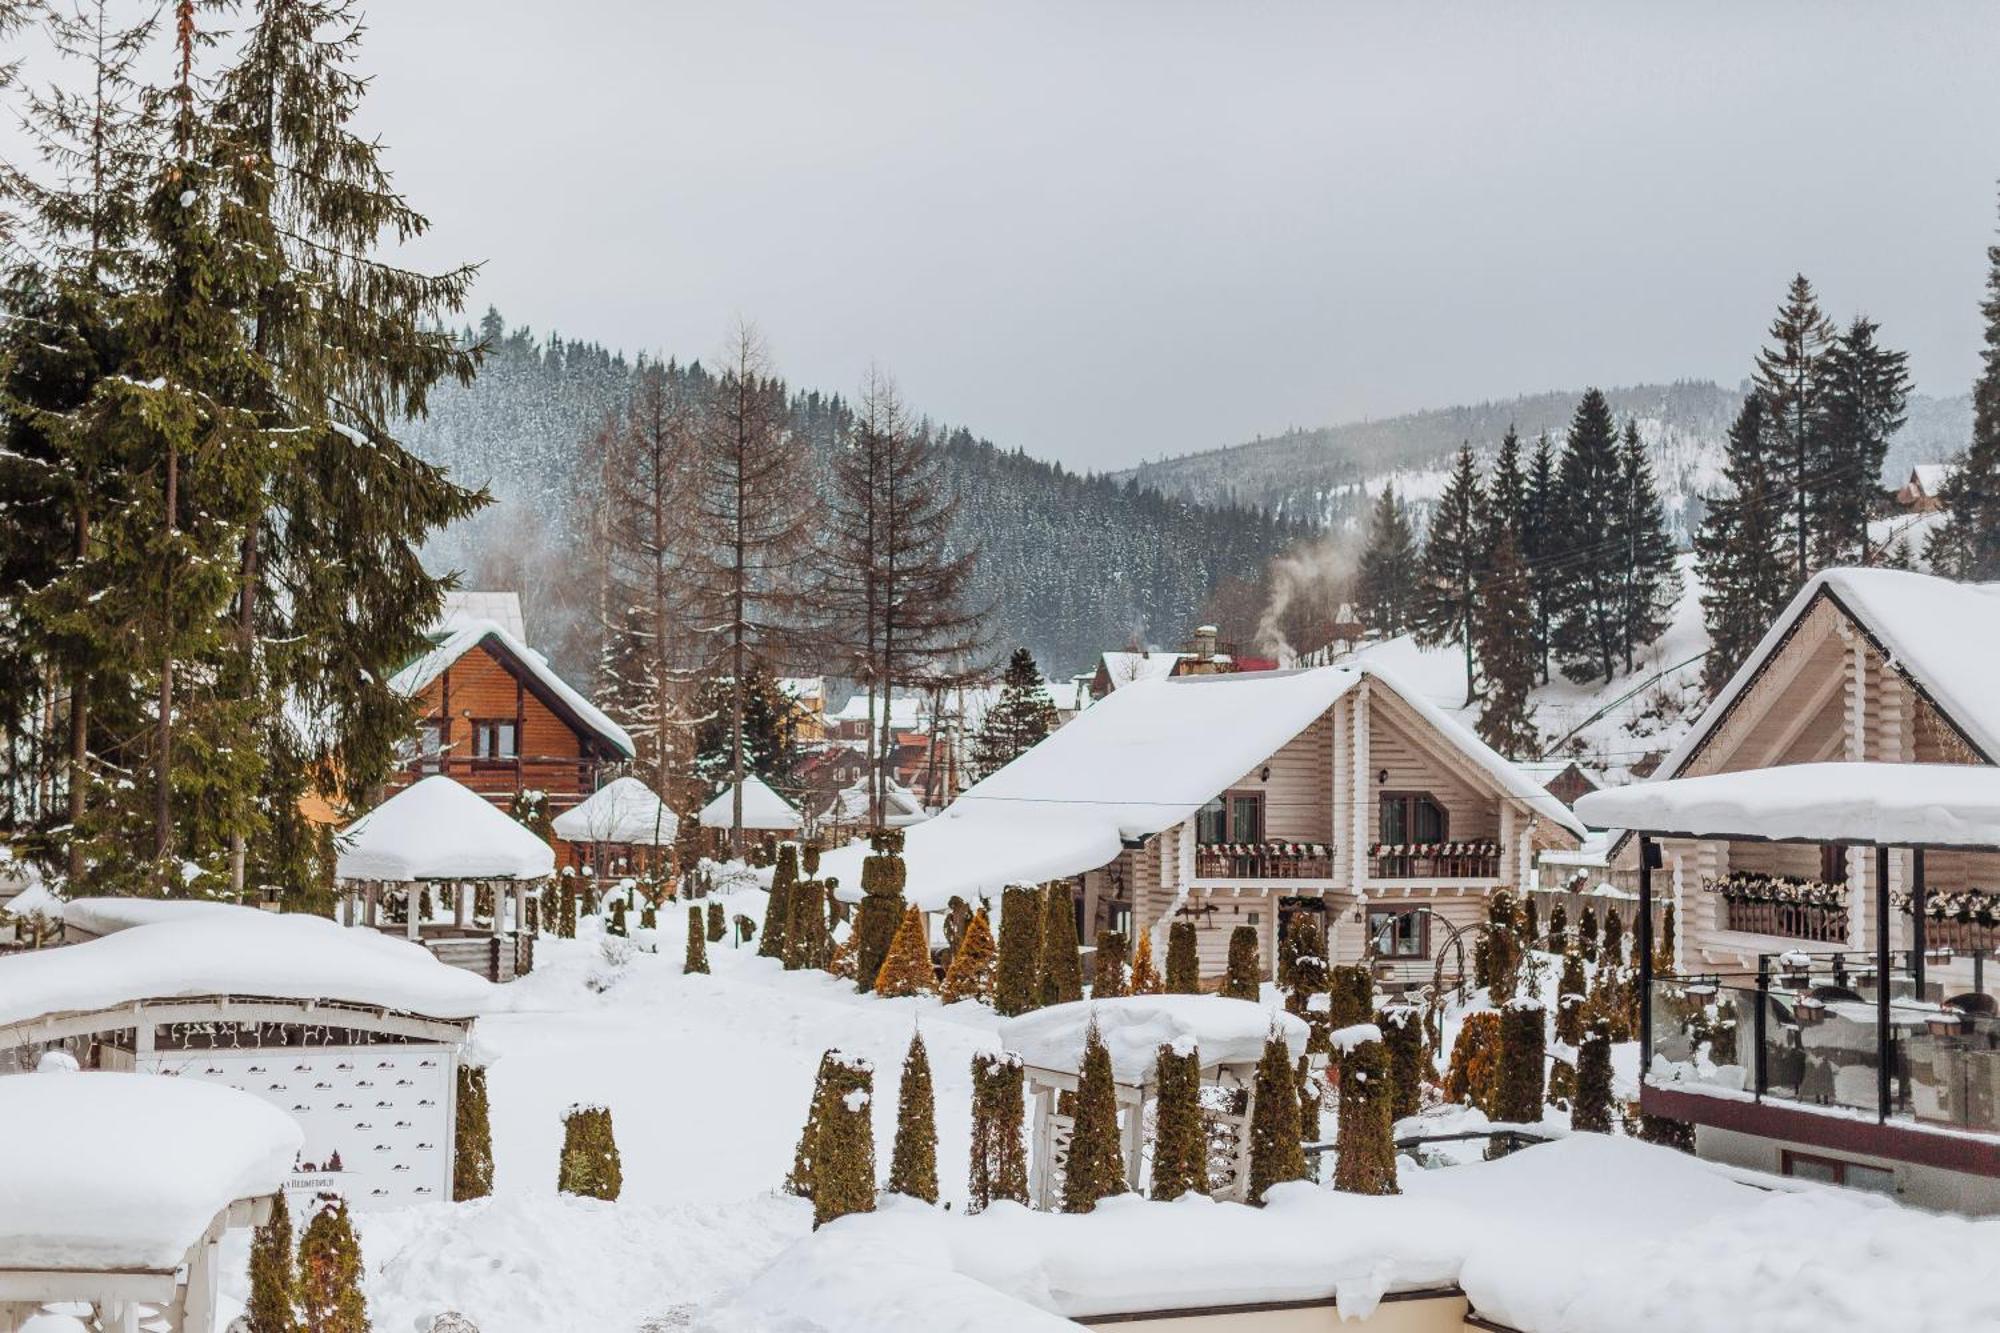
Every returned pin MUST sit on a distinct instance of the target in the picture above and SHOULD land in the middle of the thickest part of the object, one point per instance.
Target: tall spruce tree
(1389, 567)
(1454, 563)
(1545, 541)
(1745, 578)
(1018, 719)
(1589, 628)
(330, 1272)
(1792, 379)
(1967, 546)
(1651, 584)
(1867, 392)
(1506, 633)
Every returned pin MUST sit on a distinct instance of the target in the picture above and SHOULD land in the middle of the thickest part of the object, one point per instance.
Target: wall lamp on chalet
(1264, 775)
(1382, 776)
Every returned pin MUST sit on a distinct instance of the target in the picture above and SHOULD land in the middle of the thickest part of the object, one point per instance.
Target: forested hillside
(1071, 564)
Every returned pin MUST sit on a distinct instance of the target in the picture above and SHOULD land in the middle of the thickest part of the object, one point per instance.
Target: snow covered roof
(1134, 1027)
(904, 710)
(762, 809)
(126, 1171)
(623, 810)
(1137, 762)
(550, 688)
(464, 606)
(1887, 804)
(1129, 668)
(1932, 476)
(900, 807)
(196, 949)
(439, 829)
(800, 688)
(1943, 636)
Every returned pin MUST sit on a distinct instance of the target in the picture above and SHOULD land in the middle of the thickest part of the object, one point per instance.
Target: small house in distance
(497, 718)
(1202, 656)
(624, 828)
(765, 815)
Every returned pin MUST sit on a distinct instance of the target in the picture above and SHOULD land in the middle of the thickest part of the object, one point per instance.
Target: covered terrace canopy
(438, 829)
(763, 809)
(622, 811)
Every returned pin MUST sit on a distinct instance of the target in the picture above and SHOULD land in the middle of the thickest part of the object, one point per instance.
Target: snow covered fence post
(999, 1150)
(590, 1164)
(1365, 1160)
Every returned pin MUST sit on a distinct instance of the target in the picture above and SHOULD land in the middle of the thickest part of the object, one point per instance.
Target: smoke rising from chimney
(1307, 586)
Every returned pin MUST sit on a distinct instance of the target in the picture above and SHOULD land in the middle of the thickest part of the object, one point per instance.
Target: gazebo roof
(1134, 1027)
(439, 829)
(124, 1172)
(1871, 804)
(625, 810)
(762, 809)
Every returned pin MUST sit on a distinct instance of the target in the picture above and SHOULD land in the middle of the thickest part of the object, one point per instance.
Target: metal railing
(1435, 860)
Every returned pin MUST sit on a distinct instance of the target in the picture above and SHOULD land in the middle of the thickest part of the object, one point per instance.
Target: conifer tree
(1531, 931)
(913, 1159)
(1018, 720)
(1613, 951)
(718, 923)
(808, 940)
(697, 947)
(1364, 1145)
(1409, 1067)
(1497, 956)
(1523, 1047)
(1586, 933)
(882, 875)
(590, 1164)
(273, 1283)
(1352, 995)
(778, 908)
(970, 976)
(1183, 964)
(1180, 1143)
(1571, 990)
(1589, 627)
(1967, 546)
(1663, 947)
(1242, 981)
(1059, 975)
(1454, 565)
(1020, 950)
(1593, 1081)
(616, 925)
(1507, 493)
(1096, 1166)
(1792, 379)
(843, 1145)
(1107, 974)
(1473, 1078)
(1745, 577)
(1389, 568)
(1146, 979)
(1301, 939)
(1505, 625)
(472, 1164)
(799, 1180)
(330, 1298)
(907, 970)
(1275, 1152)
(1867, 392)
(999, 1153)
(1558, 940)
(1545, 541)
(1651, 584)
(1309, 1104)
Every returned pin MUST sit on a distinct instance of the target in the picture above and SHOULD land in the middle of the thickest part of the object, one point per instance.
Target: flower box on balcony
(1947, 1023)
(1809, 1009)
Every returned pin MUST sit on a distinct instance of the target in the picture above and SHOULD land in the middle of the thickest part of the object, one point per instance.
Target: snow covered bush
(906, 969)
(835, 1162)
(808, 942)
(1473, 1077)
(1592, 1111)
(1409, 1066)
(1107, 974)
(589, 1164)
(1571, 990)
(1059, 977)
(1364, 1147)
(777, 910)
(718, 923)
(1523, 1046)
(882, 876)
(272, 1307)
(1146, 978)
(697, 945)
(329, 1288)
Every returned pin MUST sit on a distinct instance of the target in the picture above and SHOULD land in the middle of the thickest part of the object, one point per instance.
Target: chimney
(1204, 642)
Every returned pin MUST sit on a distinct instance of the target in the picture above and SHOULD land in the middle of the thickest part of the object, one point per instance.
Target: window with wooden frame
(1412, 818)
(1236, 816)
(1399, 934)
(494, 740)
(1839, 1171)
(430, 746)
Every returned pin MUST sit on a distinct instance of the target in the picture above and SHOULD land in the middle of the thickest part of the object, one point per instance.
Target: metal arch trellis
(1450, 962)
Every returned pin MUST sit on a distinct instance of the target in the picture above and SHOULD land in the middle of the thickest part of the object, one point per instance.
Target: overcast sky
(1107, 232)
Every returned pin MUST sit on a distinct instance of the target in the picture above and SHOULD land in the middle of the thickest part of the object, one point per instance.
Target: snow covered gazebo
(1228, 1034)
(764, 811)
(439, 834)
(355, 1035)
(119, 1190)
(847, 812)
(622, 828)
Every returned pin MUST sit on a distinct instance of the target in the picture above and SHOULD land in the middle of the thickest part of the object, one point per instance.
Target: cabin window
(1413, 817)
(1237, 817)
(493, 739)
(1399, 934)
(1836, 1171)
(430, 747)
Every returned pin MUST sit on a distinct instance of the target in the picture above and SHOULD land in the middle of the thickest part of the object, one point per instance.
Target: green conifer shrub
(778, 908)
(1059, 973)
(1309, 1094)
(1667, 1132)
(1473, 1077)
(1107, 976)
(1146, 978)
(566, 909)
(1562, 1085)
(1663, 947)
(1592, 1111)
(697, 946)
(1558, 941)
(1241, 981)
(1180, 1139)
(808, 939)
(843, 1147)
(1301, 940)
(913, 1158)
(1613, 951)
(329, 1288)
(1020, 950)
(1351, 996)
(881, 911)
(1571, 992)
(999, 1150)
(1497, 956)
(1586, 933)
(616, 925)
(1183, 962)
(589, 1164)
(970, 975)
(800, 1180)
(272, 1307)
(1409, 1065)
(718, 922)
(1531, 926)
(472, 1164)
(1364, 1143)
(1523, 1045)
(1275, 1154)
(906, 969)
(1096, 1167)
(649, 917)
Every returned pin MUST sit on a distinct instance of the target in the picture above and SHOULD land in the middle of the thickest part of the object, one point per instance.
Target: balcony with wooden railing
(1263, 860)
(1434, 860)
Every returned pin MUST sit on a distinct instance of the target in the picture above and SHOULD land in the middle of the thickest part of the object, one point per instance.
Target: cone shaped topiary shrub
(1558, 940)
(1586, 933)
(472, 1162)
(1309, 1087)
(1592, 1111)
(1613, 950)
(970, 976)
(1020, 950)
(1096, 1166)
(1364, 1145)
(1523, 1047)
(329, 1288)
(1059, 975)
(906, 970)
(999, 1150)
(1531, 924)
(777, 911)
(1146, 978)
(1350, 996)
(913, 1159)
(1275, 1154)
(272, 1307)
(718, 922)
(1180, 1139)
(1183, 963)
(1561, 1093)
(697, 944)
(1241, 981)
(1409, 1066)
(1473, 1078)
(1571, 992)
(1107, 974)
(843, 1147)
(590, 1164)
(1301, 940)
(808, 939)
(881, 907)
